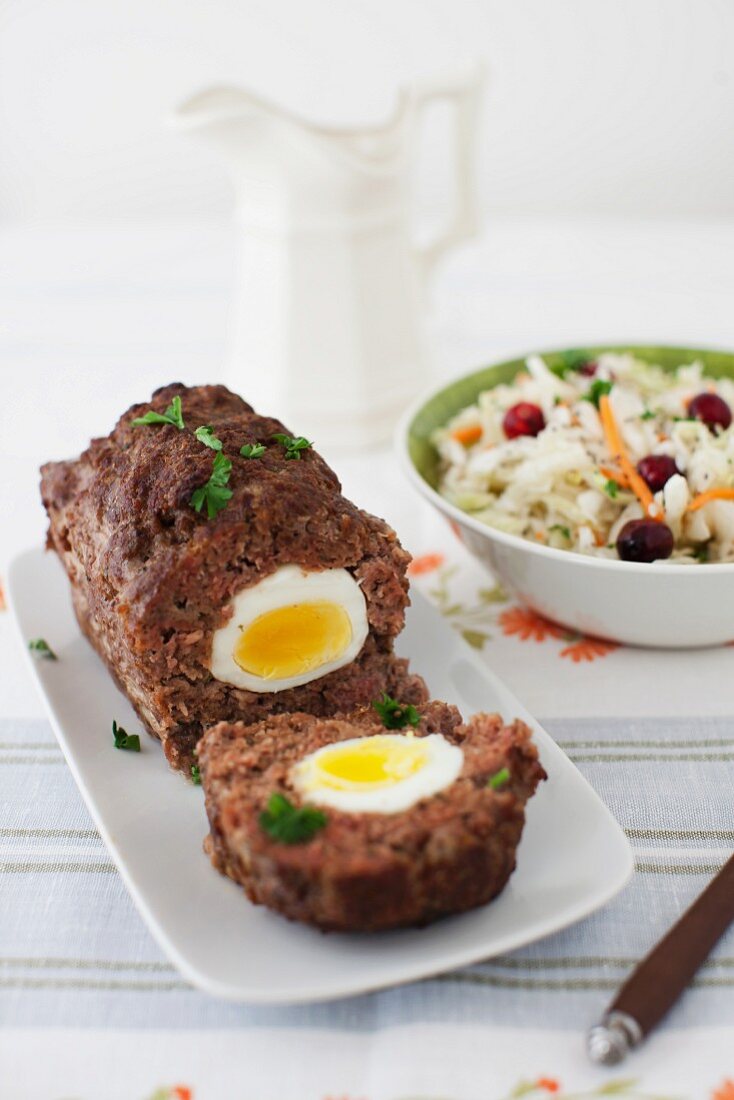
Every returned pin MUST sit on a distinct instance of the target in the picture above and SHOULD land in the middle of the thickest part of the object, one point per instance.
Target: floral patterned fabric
(625, 1087)
(493, 608)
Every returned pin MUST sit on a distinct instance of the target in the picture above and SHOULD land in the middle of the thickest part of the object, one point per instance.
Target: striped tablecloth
(91, 1009)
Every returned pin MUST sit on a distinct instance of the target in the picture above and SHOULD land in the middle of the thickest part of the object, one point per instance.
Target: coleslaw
(589, 455)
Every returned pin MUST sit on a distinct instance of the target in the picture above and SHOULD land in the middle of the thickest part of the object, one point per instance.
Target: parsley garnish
(574, 360)
(701, 553)
(214, 493)
(568, 362)
(597, 389)
(125, 740)
(611, 488)
(205, 434)
(290, 824)
(195, 775)
(252, 450)
(293, 444)
(565, 531)
(498, 779)
(394, 715)
(41, 648)
(172, 415)
(647, 415)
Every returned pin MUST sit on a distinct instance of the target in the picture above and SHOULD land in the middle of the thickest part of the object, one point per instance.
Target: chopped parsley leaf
(565, 531)
(597, 389)
(252, 450)
(195, 775)
(575, 360)
(215, 493)
(41, 648)
(293, 444)
(205, 434)
(172, 415)
(569, 361)
(125, 740)
(647, 415)
(701, 553)
(611, 488)
(289, 824)
(394, 715)
(498, 779)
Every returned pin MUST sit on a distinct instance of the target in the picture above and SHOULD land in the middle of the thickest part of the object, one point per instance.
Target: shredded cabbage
(552, 488)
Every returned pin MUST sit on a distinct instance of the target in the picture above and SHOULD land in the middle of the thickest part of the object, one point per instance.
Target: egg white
(442, 767)
(290, 584)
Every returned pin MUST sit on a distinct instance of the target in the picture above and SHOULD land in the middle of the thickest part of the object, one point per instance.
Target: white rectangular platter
(572, 859)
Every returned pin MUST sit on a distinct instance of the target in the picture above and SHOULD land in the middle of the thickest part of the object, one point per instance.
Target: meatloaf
(153, 579)
(369, 871)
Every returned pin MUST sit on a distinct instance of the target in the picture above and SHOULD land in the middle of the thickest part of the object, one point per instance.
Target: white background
(594, 106)
(607, 176)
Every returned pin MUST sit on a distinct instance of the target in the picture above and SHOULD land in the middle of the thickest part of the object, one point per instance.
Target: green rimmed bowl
(661, 604)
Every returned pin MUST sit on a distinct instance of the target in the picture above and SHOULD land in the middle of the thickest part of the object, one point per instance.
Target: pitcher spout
(214, 106)
(230, 117)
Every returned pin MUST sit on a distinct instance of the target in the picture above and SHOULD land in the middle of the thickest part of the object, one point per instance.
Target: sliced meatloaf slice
(369, 871)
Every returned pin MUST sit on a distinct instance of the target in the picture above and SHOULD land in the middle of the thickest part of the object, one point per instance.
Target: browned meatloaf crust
(150, 576)
(368, 872)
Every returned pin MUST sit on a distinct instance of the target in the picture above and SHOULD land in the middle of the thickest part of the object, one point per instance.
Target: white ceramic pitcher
(328, 322)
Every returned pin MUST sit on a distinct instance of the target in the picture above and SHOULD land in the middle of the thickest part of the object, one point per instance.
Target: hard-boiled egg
(383, 774)
(291, 627)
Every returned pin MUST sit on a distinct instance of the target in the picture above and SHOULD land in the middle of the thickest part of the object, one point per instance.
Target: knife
(658, 981)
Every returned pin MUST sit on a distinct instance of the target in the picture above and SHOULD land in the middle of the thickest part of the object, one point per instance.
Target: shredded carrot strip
(468, 435)
(614, 441)
(615, 475)
(710, 494)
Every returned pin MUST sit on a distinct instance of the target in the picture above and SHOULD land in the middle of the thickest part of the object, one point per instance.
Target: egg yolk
(294, 639)
(374, 761)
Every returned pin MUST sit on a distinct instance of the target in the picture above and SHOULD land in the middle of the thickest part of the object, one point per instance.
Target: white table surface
(94, 318)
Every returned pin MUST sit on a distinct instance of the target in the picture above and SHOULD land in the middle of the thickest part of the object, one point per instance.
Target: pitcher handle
(462, 90)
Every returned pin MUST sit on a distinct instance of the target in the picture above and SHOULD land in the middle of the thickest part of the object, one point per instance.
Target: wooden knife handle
(661, 977)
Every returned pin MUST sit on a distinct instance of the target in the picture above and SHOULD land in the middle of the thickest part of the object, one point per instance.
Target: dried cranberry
(587, 368)
(656, 470)
(523, 419)
(711, 409)
(644, 540)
